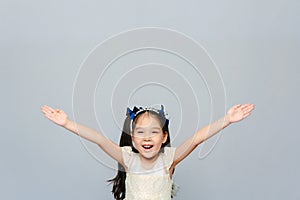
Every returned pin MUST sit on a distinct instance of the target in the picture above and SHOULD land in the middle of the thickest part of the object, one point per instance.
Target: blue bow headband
(135, 111)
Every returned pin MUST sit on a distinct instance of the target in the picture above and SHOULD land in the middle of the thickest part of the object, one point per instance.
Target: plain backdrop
(255, 45)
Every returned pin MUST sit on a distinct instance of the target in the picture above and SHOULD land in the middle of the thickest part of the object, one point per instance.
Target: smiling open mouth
(147, 146)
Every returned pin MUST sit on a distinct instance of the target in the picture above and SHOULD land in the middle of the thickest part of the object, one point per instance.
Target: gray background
(254, 43)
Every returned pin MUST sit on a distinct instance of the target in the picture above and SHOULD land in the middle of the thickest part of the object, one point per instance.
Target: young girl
(146, 160)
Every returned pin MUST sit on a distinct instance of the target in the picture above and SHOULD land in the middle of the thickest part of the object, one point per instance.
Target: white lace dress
(148, 184)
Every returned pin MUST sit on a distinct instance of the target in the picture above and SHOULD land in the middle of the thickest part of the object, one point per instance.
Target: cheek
(161, 139)
(136, 140)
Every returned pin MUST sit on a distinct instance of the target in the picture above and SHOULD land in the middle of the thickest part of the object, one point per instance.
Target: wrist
(68, 124)
(227, 119)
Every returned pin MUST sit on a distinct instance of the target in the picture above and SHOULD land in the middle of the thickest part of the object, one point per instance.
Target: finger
(237, 106)
(246, 115)
(245, 106)
(44, 109)
(249, 105)
(48, 112)
(49, 116)
(47, 109)
(249, 108)
(59, 111)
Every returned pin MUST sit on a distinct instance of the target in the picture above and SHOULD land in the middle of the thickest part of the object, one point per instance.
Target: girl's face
(147, 136)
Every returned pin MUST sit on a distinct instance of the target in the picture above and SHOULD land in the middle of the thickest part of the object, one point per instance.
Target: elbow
(198, 140)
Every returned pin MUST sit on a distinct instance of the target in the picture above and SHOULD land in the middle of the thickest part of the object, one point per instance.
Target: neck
(148, 163)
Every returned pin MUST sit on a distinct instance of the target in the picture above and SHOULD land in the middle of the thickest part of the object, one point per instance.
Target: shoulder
(128, 155)
(127, 151)
(168, 155)
(169, 150)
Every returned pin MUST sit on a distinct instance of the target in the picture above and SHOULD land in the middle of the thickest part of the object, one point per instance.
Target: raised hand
(55, 115)
(239, 112)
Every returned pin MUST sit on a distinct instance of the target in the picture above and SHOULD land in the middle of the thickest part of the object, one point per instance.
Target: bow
(132, 113)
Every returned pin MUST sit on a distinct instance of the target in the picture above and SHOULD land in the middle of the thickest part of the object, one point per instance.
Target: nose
(147, 137)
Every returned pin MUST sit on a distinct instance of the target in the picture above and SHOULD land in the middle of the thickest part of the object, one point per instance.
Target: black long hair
(118, 182)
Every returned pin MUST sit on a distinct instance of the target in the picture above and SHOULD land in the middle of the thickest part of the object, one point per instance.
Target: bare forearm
(200, 136)
(104, 143)
(210, 130)
(84, 132)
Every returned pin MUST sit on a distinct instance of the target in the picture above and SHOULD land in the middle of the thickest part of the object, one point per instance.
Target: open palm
(239, 112)
(57, 116)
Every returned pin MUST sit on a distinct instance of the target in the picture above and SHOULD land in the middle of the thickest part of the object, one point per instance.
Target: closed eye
(139, 132)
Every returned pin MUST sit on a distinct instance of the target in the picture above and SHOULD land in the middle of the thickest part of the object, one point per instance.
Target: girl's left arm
(234, 114)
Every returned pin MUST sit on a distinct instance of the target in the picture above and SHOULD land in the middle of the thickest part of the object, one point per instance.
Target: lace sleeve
(169, 153)
(127, 155)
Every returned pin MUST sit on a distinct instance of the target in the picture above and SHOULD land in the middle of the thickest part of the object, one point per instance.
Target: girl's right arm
(60, 118)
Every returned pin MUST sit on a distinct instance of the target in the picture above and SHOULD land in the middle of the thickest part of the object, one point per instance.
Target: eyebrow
(140, 127)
